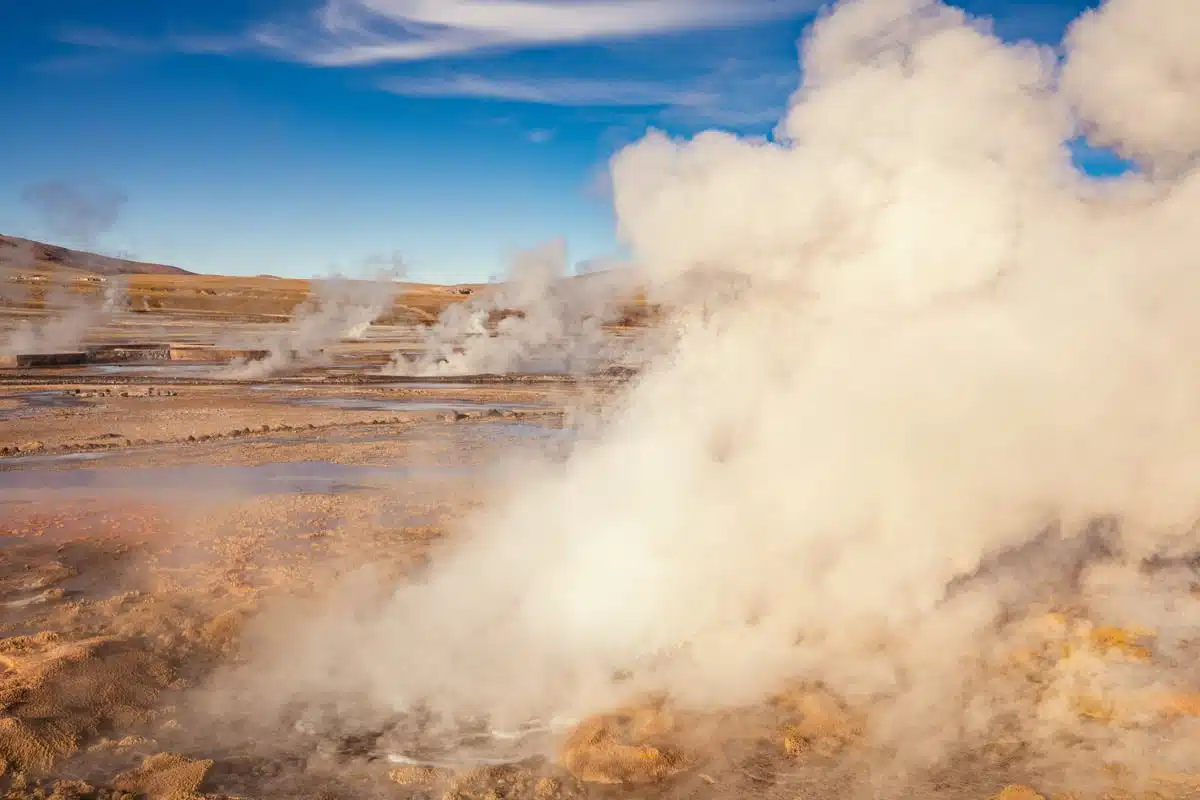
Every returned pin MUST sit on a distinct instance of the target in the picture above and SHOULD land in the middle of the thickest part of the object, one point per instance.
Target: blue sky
(294, 137)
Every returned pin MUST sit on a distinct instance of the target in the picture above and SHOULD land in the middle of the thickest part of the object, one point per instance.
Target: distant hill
(25, 253)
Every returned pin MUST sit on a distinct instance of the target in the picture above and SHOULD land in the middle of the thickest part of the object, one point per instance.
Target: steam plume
(337, 309)
(76, 212)
(548, 323)
(79, 214)
(951, 359)
(73, 318)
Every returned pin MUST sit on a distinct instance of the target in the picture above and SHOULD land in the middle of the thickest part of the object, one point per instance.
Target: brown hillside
(26, 253)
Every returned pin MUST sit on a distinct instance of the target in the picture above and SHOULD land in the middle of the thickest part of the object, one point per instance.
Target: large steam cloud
(951, 357)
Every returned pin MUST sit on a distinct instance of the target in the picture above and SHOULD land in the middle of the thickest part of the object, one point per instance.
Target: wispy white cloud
(361, 32)
(735, 95)
(75, 64)
(99, 51)
(365, 33)
(101, 39)
(541, 135)
(547, 91)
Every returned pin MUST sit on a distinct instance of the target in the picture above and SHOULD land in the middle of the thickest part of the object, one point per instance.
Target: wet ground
(32, 403)
(300, 477)
(140, 527)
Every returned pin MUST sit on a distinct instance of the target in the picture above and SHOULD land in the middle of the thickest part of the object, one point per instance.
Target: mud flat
(128, 571)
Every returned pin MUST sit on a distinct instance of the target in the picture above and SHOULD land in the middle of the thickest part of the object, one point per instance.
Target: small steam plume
(70, 325)
(77, 214)
(538, 320)
(337, 309)
(959, 382)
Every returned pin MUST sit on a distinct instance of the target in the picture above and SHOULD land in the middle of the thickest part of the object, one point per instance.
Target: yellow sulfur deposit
(1129, 642)
(626, 746)
(1017, 792)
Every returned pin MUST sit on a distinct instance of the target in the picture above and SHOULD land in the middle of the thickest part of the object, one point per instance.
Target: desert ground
(156, 517)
